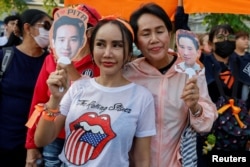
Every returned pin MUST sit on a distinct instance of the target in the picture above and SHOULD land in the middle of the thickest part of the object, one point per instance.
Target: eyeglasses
(221, 37)
(46, 25)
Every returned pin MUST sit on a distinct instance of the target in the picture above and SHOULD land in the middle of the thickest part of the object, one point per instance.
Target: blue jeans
(51, 153)
(64, 165)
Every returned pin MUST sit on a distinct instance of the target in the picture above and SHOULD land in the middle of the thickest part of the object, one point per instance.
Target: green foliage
(10, 6)
(18, 6)
(49, 5)
(238, 22)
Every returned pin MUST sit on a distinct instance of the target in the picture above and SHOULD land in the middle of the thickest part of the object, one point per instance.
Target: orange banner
(217, 6)
(123, 8)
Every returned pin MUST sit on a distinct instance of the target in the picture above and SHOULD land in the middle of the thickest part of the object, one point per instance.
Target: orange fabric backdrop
(123, 8)
(217, 6)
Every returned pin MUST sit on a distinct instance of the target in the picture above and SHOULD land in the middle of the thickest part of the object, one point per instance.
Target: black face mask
(224, 49)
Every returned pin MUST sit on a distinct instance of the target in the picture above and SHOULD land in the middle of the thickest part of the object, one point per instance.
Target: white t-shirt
(3, 40)
(102, 122)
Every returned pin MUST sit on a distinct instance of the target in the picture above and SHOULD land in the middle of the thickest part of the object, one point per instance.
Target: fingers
(55, 79)
(191, 93)
(190, 90)
(192, 80)
(30, 164)
(32, 156)
(58, 79)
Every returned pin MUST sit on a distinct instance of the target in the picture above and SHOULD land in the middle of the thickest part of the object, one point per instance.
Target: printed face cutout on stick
(188, 49)
(68, 32)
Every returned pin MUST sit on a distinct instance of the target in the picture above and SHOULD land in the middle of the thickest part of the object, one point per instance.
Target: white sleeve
(146, 121)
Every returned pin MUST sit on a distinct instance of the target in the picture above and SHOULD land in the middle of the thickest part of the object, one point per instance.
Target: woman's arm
(181, 18)
(141, 152)
(204, 121)
(51, 121)
(47, 130)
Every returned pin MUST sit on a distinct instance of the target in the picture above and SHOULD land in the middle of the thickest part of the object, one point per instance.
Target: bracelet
(50, 114)
(197, 113)
(39, 108)
(47, 116)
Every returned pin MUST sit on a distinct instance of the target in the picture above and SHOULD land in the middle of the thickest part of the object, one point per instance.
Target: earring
(93, 61)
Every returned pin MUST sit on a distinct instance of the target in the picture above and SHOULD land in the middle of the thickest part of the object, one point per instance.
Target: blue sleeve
(1, 56)
(181, 19)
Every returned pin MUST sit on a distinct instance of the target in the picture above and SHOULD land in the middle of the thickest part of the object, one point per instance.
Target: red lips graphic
(89, 134)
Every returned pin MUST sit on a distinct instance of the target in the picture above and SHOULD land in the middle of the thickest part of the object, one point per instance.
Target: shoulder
(206, 57)
(3, 51)
(80, 85)
(243, 64)
(133, 65)
(210, 62)
(82, 81)
(143, 91)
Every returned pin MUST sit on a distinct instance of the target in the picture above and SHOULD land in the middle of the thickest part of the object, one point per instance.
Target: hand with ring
(57, 79)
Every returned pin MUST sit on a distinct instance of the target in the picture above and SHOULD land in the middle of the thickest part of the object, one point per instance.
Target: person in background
(180, 17)
(222, 38)
(17, 86)
(83, 63)
(205, 46)
(102, 116)
(241, 43)
(12, 36)
(179, 101)
(241, 50)
(180, 22)
(222, 62)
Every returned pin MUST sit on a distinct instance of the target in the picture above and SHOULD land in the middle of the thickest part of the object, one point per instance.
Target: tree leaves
(11, 6)
(237, 22)
(18, 6)
(49, 5)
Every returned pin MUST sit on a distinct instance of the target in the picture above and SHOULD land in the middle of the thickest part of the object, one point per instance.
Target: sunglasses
(46, 25)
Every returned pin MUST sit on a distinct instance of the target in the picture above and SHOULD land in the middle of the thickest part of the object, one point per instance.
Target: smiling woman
(102, 115)
(180, 101)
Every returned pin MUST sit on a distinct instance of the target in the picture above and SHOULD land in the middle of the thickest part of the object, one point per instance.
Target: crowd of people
(116, 109)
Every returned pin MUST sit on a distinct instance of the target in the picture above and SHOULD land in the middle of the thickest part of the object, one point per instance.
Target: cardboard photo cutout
(68, 32)
(188, 48)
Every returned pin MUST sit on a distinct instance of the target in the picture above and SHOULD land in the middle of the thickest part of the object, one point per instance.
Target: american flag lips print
(89, 135)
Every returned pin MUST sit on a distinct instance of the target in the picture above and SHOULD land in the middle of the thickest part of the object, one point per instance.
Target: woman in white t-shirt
(102, 116)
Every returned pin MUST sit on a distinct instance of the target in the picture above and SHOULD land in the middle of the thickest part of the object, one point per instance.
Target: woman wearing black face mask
(223, 68)
(224, 45)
